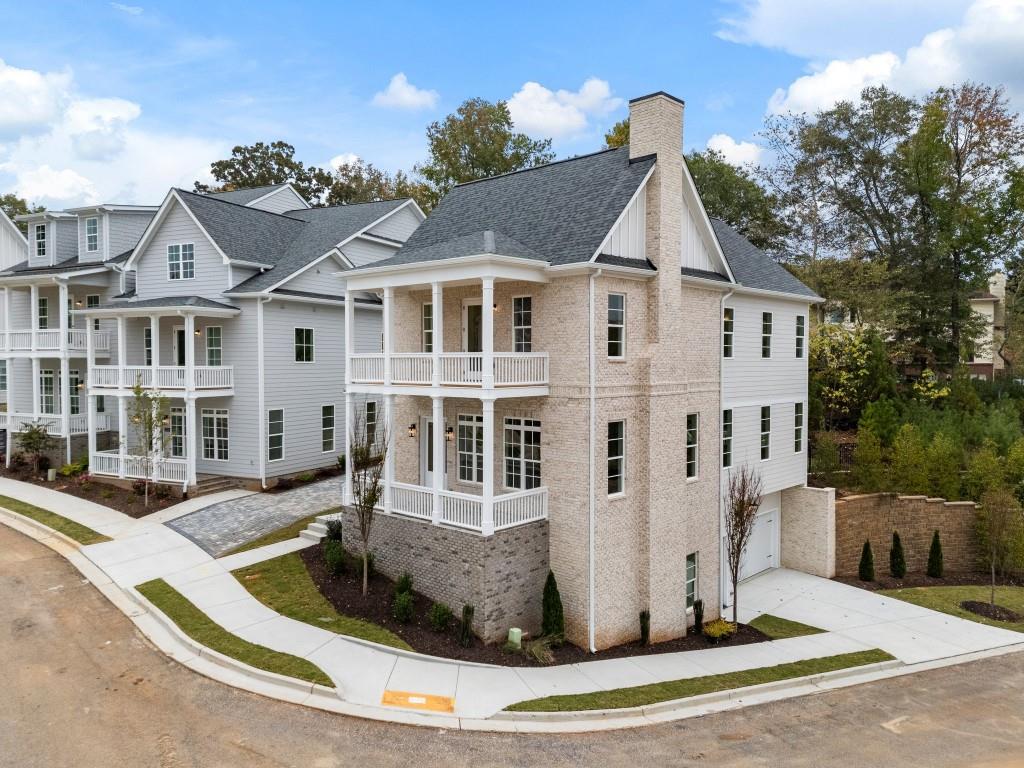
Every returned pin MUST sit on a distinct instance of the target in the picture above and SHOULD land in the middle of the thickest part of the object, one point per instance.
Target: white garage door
(760, 552)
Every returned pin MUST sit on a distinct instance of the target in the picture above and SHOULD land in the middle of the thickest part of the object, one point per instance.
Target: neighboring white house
(985, 362)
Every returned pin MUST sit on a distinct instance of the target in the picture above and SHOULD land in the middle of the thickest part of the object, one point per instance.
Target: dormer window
(41, 241)
(92, 235)
(181, 262)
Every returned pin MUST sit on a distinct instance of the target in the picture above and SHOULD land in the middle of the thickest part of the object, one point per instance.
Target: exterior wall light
(449, 434)
(412, 429)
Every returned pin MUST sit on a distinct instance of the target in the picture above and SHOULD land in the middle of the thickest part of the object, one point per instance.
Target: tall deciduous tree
(261, 164)
(12, 205)
(742, 502)
(361, 182)
(618, 135)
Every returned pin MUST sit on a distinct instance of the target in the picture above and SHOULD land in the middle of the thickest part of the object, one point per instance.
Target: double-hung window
(92, 234)
(181, 261)
(471, 448)
(728, 317)
(522, 323)
(766, 432)
(41, 241)
(93, 300)
(616, 325)
(522, 453)
(177, 418)
(327, 428)
(371, 422)
(692, 444)
(147, 345)
(3, 375)
(304, 345)
(691, 580)
(616, 457)
(275, 434)
(727, 438)
(214, 345)
(427, 322)
(766, 334)
(215, 434)
(801, 335)
(798, 427)
(44, 313)
(47, 393)
(75, 391)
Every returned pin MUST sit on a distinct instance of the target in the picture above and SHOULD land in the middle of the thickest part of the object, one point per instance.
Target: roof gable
(753, 268)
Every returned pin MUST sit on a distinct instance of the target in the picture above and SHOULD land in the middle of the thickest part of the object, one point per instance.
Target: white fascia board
(271, 193)
(588, 267)
(622, 213)
(14, 228)
(459, 269)
(378, 239)
(129, 311)
(692, 198)
(795, 297)
(14, 280)
(338, 256)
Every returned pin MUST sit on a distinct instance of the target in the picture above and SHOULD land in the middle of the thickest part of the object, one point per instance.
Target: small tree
(868, 470)
(34, 439)
(148, 412)
(934, 569)
(909, 462)
(985, 471)
(866, 570)
(1000, 532)
(741, 505)
(944, 467)
(552, 617)
(881, 418)
(897, 561)
(369, 451)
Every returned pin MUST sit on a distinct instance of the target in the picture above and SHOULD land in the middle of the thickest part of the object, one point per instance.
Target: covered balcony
(73, 340)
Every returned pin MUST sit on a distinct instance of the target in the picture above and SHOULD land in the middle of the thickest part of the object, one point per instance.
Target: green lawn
(779, 629)
(948, 599)
(69, 528)
(281, 534)
(285, 585)
(205, 631)
(642, 695)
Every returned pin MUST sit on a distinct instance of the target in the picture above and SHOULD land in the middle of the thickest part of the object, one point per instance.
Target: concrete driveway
(909, 632)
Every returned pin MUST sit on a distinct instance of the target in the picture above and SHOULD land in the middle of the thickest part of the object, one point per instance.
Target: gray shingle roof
(752, 267)
(558, 212)
(68, 265)
(245, 196)
(166, 301)
(624, 261)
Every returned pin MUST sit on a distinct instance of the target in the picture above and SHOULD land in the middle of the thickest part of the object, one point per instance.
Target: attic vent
(488, 241)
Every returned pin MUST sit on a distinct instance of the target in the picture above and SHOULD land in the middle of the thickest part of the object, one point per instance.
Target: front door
(179, 345)
(427, 454)
(472, 339)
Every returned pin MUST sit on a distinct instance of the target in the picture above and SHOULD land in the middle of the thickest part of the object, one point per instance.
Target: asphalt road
(80, 687)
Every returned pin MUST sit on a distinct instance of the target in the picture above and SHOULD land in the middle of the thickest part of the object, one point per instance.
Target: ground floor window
(471, 448)
(371, 422)
(522, 453)
(327, 428)
(75, 382)
(215, 434)
(691, 580)
(47, 399)
(177, 419)
(727, 438)
(275, 434)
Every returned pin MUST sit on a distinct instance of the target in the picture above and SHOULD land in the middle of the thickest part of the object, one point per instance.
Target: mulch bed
(989, 611)
(121, 499)
(921, 580)
(345, 594)
(291, 483)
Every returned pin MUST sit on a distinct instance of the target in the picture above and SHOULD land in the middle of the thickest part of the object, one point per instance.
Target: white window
(304, 345)
(93, 300)
(801, 334)
(214, 345)
(215, 434)
(327, 428)
(522, 453)
(44, 313)
(147, 345)
(371, 422)
(522, 323)
(177, 432)
(616, 326)
(41, 241)
(471, 448)
(692, 444)
(47, 401)
(766, 432)
(92, 235)
(727, 329)
(75, 395)
(691, 580)
(275, 434)
(798, 427)
(727, 438)
(3, 375)
(766, 334)
(428, 327)
(181, 261)
(616, 457)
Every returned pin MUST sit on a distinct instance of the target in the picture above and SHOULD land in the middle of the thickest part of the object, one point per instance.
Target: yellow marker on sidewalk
(418, 701)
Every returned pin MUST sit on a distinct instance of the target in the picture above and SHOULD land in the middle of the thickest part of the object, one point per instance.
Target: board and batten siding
(693, 249)
(280, 201)
(398, 226)
(628, 237)
(12, 248)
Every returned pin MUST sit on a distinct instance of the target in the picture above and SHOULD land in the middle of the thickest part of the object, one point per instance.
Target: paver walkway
(223, 526)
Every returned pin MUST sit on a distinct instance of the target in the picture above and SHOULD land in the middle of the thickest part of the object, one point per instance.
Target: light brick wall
(808, 530)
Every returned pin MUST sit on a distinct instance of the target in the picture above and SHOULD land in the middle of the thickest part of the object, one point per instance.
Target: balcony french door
(472, 339)
(427, 454)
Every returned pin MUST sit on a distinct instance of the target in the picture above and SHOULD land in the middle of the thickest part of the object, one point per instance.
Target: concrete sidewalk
(363, 671)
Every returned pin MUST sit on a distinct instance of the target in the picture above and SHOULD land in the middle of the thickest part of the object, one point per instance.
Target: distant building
(985, 361)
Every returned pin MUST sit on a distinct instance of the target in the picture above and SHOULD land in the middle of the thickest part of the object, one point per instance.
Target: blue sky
(118, 101)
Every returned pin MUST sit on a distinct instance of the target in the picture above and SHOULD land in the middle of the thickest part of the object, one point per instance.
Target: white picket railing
(518, 369)
(461, 510)
(462, 368)
(167, 376)
(164, 470)
(412, 500)
(415, 368)
(519, 508)
(458, 369)
(48, 340)
(78, 423)
(367, 369)
(464, 510)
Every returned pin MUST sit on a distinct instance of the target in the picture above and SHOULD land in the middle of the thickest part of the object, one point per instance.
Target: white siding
(125, 231)
(628, 237)
(67, 239)
(398, 226)
(320, 278)
(694, 251)
(363, 252)
(280, 201)
(12, 248)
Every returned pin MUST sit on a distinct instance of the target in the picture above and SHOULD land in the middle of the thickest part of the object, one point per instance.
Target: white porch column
(36, 394)
(154, 335)
(440, 465)
(190, 354)
(389, 294)
(487, 310)
(33, 291)
(192, 438)
(122, 448)
(12, 409)
(437, 318)
(348, 448)
(7, 319)
(65, 405)
(90, 409)
(350, 315)
(389, 456)
(487, 509)
(62, 300)
(122, 351)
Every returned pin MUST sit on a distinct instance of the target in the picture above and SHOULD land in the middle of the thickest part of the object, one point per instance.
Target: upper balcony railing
(50, 340)
(77, 422)
(163, 377)
(459, 369)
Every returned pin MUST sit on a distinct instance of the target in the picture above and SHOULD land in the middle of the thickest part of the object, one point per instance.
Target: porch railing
(512, 509)
(412, 500)
(77, 422)
(465, 510)
(48, 340)
(165, 470)
(167, 376)
(511, 369)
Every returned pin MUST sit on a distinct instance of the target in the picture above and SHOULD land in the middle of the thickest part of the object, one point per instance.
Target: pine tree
(897, 562)
(552, 617)
(935, 557)
(868, 471)
(867, 563)
(910, 462)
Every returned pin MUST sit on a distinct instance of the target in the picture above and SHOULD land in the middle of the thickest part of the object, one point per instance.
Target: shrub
(35, 440)
(440, 617)
(882, 419)
(866, 570)
(984, 471)
(75, 468)
(466, 627)
(645, 627)
(341, 463)
(306, 477)
(935, 557)
(18, 462)
(333, 529)
(107, 493)
(718, 630)
(909, 463)
(540, 650)
(1015, 468)
(698, 616)
(404, 584)
(402, 607)
(335, 557)
(139, 487)
(552, 617)
(161, 491)
(868, 471)
(897, 562)
(944, 467)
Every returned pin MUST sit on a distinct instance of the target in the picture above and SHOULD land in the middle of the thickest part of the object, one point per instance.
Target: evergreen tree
(935, 557)
(897, 562)
(866, 571)
(909, 465)
(985, 471)
(552, 618)
(868, 471)
(944, 468)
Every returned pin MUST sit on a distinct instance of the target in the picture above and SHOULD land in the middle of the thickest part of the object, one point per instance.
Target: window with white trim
(177, 419)
(728, 319)
(616, 326)
(471, 448)
(766, 432)
(101, 404)
(44, 313)
(801, 335)
(616, 457)
(327, 428)
(727, 438)
(75, 393)
(147, 345)
(522, 323)
(304, 345)
(215, 434)
(92, 234)
(691, 580)
(93, 300)
(766, 334)
(47, 399)
(3, 375)
(40, 241)
(214, 345)
(798, 427)
(692, 443)
(181, 261)
(427, 324)
(275, 434)
(522, 453)
(371, 422)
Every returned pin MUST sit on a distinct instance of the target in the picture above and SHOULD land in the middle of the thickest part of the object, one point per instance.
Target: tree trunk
(992, 595)
(735, 593)
(366, 574)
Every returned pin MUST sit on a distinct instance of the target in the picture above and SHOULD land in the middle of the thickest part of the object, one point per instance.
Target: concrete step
(311, 535)
(205, 487)
(320, 528)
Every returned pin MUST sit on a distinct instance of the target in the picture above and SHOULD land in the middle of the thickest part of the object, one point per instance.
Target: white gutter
(262, 395)
(592, 523)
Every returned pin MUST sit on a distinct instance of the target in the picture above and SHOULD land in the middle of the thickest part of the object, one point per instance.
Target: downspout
(261, 396)
(721, 401)
(592, 528)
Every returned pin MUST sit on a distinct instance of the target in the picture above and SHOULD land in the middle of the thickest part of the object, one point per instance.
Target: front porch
(465, 510)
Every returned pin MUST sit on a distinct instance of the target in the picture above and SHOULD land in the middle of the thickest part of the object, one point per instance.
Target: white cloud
(97, 126)
(540, 111)
(345, 158)
(44, 183)
(839, 80)
(131, 10)
(401, 94)
(30, 101)
(736, 152)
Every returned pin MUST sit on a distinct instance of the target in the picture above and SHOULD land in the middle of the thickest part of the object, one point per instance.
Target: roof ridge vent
(489, 241)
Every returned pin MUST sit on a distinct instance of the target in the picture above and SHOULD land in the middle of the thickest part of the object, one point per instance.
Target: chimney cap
(658, 93)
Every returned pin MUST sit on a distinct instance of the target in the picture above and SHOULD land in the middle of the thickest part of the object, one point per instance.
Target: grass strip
(290, 531)
(779, 629)
(642, 695)
(283, 584)
(205, 631)
(69, 528)
(948, 599)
